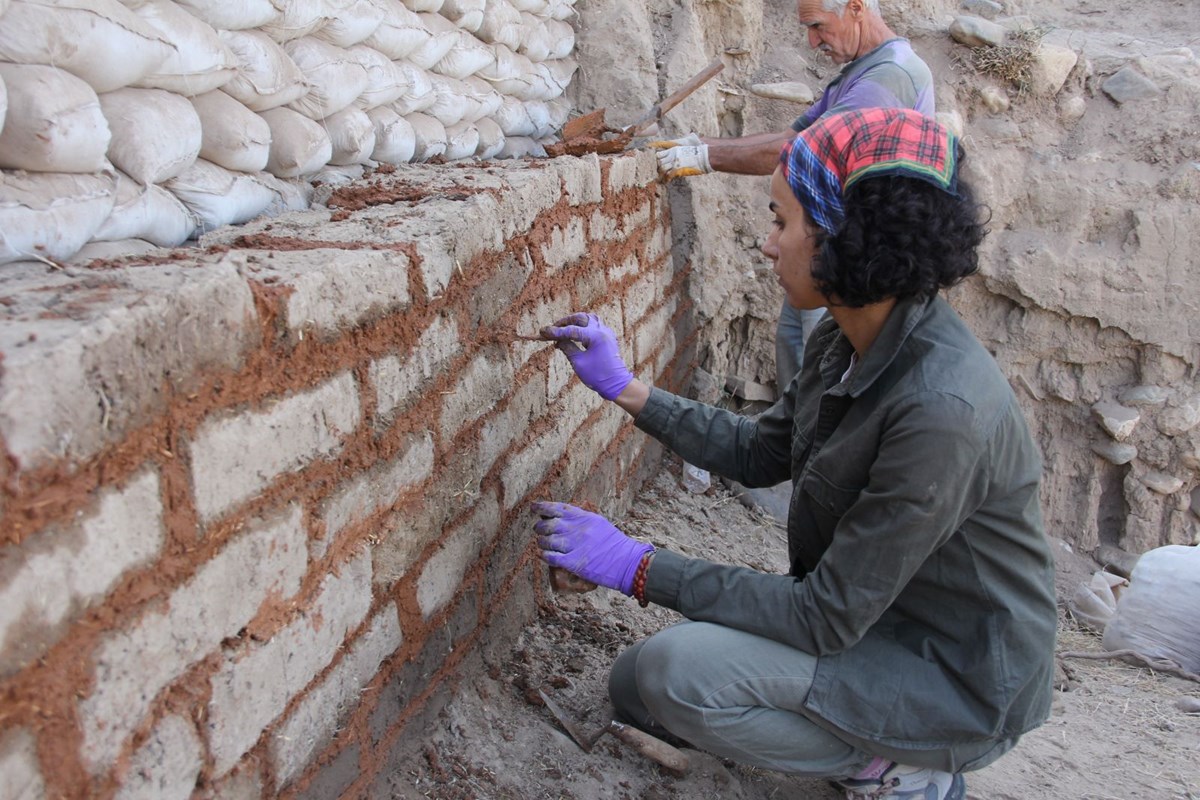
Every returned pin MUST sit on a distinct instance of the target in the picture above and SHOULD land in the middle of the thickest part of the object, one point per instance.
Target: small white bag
(1159, 614)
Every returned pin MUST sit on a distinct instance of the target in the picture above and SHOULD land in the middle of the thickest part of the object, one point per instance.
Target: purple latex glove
(588, 545)
(598, 363)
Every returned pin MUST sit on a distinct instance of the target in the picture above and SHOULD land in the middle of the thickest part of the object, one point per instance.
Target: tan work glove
(683, 157)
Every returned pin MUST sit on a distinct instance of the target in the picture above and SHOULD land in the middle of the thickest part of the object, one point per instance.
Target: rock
(1129, 85)
(1180, 420)
(988, 9)
(749, 390)
(1188, 705)
(1115, 452)
(1051, 66)
(1161, 482)
(1139, 396)
(952, 121)
(1071, 109)
(976, 32)
(1118, 420)
(792, 91)
(994, 98)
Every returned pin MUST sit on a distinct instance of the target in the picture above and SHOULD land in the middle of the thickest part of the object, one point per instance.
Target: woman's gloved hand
(588, 545)
(598, 362)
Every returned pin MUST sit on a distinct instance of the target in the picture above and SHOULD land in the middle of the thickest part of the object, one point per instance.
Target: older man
(881, 71)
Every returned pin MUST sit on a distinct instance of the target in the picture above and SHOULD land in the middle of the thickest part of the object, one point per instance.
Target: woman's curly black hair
(902, 237)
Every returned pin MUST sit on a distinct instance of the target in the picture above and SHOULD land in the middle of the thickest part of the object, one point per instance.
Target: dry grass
(1012, 62)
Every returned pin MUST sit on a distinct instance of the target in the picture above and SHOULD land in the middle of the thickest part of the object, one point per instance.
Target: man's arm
(748, 155)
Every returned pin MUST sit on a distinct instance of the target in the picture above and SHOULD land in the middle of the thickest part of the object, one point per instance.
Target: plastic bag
(267, 77)
(148, 213)
(335, 76)
(350, 22)
(200, 61)
(54, 122)
(299, 146)
(352, 135)
(234, 137)
(219, 197)
(395, 142)
(156, 134)
(1159, 614)
(51, 215)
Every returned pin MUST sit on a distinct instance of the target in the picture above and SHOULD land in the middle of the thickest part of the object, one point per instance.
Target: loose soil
(1115, 732)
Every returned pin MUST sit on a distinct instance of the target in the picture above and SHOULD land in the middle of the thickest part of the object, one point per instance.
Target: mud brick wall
(263, 497)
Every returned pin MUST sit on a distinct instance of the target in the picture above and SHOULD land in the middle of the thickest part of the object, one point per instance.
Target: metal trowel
(669, 758)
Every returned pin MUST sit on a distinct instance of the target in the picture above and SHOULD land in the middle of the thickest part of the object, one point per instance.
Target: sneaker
(899, 782)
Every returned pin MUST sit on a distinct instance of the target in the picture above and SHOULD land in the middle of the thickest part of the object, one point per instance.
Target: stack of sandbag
(156, 120)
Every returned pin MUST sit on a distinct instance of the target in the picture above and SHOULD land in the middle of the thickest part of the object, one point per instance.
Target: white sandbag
(386, 81)
(501, 24)
(462, 140)
(482, 92)
(155, 134)
(352, 135)
(233, 136)
(465, 58)
(266, 77)
(1095, 602)
(335, 77)
(521, 147)
(297, 19)
(201, 61)
(452, 101)
(54, 122)
(466, 14)
(423, 6)
(513, 118)
(400, 32)
(350, 22)
(419, 95)
(51, 215)
(559, 9)
(535, 39)
(1157, 616)
(429, 135)
(226, 16)
(112, 250)
(299, 146)
(218, 196)
(539, 114)
(560, 112)
(561, 37)
(331, 176)
(395, 142)
(531, 6)
(491, 138)
(442, 36)
(559, 72)
(294, 194)
(511, 72)
(149, 213)
(100, 41)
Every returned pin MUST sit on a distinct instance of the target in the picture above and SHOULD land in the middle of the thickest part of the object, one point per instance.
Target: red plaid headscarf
(825, 159)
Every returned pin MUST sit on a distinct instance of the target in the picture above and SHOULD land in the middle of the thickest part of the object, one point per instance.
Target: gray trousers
(791, 334)
(740, 696)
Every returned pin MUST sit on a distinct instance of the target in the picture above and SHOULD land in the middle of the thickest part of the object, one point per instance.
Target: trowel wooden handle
(669, 758)
(656, 112)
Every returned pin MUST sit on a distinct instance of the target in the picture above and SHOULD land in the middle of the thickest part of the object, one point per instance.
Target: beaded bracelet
(639, 580)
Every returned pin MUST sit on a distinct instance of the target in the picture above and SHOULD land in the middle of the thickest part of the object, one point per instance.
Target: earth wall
(261, 499)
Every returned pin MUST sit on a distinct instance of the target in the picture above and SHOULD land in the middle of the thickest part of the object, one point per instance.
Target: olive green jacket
(920, 574)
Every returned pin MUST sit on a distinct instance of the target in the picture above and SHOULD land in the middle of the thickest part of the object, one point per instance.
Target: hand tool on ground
(669, 758)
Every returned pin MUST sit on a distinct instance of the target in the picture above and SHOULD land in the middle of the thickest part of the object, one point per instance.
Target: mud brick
(484, 382)
(489, 301)
(580, 178)
(525, 405)
(233, 457)
(167, 765)
(568, 243)
(336, 777)
(20, 776)
(652, 331)
(441, 576)
(397, 378)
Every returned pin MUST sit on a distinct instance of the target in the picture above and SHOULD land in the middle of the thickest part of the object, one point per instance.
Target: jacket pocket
(830, 497)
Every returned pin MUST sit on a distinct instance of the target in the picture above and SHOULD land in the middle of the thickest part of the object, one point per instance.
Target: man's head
(842, 29)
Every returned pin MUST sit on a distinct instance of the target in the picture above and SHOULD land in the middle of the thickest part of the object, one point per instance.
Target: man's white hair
(839, 6)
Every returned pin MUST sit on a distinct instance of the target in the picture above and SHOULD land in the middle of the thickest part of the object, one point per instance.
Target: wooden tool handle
(669, 758)
(656, 112)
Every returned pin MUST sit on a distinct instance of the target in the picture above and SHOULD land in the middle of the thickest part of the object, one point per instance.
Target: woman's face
(792, 246)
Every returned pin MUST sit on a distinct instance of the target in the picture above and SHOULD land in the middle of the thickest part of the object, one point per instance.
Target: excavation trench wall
(262, 498)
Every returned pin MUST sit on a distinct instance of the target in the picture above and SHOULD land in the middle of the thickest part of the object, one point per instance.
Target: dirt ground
(1114, 734)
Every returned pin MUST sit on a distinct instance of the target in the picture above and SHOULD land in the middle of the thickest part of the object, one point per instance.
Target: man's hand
(679, 158)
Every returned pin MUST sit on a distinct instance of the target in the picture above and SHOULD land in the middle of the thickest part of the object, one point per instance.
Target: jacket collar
(836, 348)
